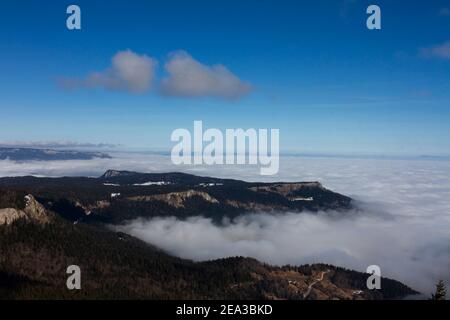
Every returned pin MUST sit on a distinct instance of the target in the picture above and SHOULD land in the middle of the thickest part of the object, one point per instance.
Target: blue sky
(315, 72)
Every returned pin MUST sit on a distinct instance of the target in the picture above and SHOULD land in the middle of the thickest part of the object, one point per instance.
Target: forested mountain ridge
(117, 196)
(57, 223)
(34, 258)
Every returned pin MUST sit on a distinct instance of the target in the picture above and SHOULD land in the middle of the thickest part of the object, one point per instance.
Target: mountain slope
(34, 258)
(35, 252)
(117, 196)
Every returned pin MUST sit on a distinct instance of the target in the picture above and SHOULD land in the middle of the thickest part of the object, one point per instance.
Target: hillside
(34, 258)
(49, 224)
(117, 196)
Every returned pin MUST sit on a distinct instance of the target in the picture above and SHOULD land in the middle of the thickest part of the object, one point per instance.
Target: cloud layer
(441, 51)
(403, 248)
(189, 78)
(444, 12)
(403, 225)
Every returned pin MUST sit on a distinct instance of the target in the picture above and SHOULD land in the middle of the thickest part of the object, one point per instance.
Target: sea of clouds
(402, 225)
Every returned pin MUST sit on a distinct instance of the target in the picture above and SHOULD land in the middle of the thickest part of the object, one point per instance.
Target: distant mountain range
(24, 154)
(47, 224)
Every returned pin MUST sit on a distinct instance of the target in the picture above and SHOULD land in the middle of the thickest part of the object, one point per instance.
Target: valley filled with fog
(401, 221)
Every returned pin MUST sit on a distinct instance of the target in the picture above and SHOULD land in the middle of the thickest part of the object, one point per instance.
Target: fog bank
(404, 224)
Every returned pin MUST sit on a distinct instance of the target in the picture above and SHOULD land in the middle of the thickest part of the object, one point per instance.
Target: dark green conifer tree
(441, 291)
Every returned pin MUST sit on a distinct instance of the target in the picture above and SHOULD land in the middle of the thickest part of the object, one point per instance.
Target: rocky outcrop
(254, 206)
(285, 189)
(33, 211)
(116, 173)
(36, 211)
(9, 215)
(100, 204)
(176, 199)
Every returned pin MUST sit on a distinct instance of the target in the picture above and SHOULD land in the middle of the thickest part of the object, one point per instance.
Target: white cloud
(189, 78)
(444, 12)
(186, 77)
(128, 72)
(441, 51)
